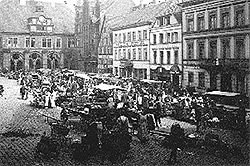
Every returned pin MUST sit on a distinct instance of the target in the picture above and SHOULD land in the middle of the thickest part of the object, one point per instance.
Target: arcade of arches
(32, 61)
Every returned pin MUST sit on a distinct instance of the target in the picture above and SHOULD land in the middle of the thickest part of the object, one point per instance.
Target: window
(239, 16)
(119, 54)
(201, 49)
(167, 20)
(161, 23)
(190, 23)
(116, 55)
(134, 54)
(33, 42)
(176, 57)
(213, 49)
(225, 48)
(201, 76)
(155, 57)
(140, 53)
(124, 37)
(139, 35)
(116, 38)
(43, 42)
(124, 54)
(212, 20)
(129, 54)
(15, 42)
(120, 38)
(240, 47)
(154, 38)
(225, 20)
(71, 43)
(168, 57)
(145, 54)
(190, 50)
(201, 22)
(190, 77)
(27, 42)
(161, 57)
(161, 38)
(129, 36)
(49, 43)
(168, 37)
(58, 43)
(176, 36)
(134, 36)
(145, 35)
(39, 8)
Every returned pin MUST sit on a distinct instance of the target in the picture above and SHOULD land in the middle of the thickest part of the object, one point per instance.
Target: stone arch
(16, 61)
(35, 60)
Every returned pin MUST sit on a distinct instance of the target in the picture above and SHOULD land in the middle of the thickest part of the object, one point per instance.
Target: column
(218, 17)
(195, 21)
(247, 13)
(45, 62)
(6, 60)
(195, 49)
(206, 48)
(206, 19)
(218, 47)
(184, 26)
(232, 15)
(26, 61)
(247, 46)
(232, 44)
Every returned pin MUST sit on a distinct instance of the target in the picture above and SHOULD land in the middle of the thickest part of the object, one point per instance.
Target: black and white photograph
(124, 82)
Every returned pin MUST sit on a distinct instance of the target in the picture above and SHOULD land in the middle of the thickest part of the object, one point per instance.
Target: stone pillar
(195, 21)
(247, 46)
(206, 20)
(218, 17)
(247, 10)
(45, 58)
(184, 26)
(232, 44)
(218, 47)
(26, 61)
(232, 14)
(195, 49)
(218, 82)
(206, 48)
(6, 60)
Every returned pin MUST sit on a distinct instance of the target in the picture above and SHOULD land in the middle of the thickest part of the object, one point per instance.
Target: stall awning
(85, 76)
(108, 87)
(150, 81)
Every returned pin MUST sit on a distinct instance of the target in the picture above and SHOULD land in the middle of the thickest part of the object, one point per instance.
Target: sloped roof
(142, 15)
(14, 17)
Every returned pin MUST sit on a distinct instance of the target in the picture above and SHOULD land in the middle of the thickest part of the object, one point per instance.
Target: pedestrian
(158, 110)
(22, 91)
(176, 140)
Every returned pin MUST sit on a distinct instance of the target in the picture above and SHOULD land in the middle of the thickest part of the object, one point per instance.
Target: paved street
(18, 117)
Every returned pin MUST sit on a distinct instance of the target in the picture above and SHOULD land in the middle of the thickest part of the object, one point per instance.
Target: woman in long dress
(142, 130)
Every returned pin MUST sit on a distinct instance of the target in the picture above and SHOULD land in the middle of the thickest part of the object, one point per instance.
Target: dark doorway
(226, 82)
(213, 81)
(12, 65)
(38, 64)
(48, 63)
(175, 81)
(31, 66)
(19, 65)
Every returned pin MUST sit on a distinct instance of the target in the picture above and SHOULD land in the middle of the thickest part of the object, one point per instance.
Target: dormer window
(40, 24)
(39, 8)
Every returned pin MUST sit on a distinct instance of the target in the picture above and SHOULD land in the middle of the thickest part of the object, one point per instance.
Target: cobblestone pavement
(18, 117)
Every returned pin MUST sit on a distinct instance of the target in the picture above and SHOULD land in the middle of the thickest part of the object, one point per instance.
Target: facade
(216, 45)
(166, 48)
(87, 30)
(131, 47)
(33, 35)
(112, 11)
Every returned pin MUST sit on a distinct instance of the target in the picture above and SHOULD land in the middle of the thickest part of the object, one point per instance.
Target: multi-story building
(166, 48)
(131, 46)
(87, 30)
(34, 34)
(112, 11)
(216, 45)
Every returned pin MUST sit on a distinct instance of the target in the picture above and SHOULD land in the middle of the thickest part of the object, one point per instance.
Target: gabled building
(131, 47)
(216, 45)
(166, 48)
(34, 34)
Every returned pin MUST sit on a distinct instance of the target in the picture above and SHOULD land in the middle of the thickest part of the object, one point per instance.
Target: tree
(71, 57)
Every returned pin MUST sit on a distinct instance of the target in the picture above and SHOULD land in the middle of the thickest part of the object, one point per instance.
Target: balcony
(233, 64)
